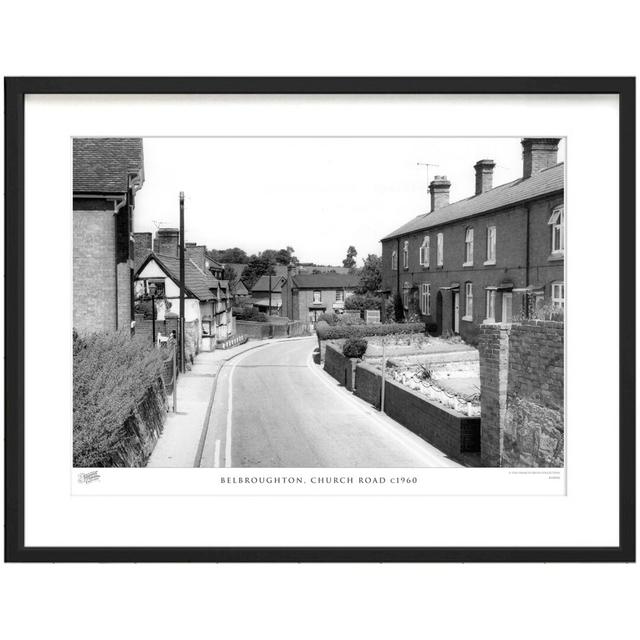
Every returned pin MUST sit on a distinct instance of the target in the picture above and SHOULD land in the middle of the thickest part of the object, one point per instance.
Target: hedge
(326, 332)
(119, 403)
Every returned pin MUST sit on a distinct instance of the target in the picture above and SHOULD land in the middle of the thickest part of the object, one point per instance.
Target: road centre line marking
(424, 455)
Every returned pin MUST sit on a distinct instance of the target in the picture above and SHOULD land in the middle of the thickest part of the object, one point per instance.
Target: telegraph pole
(269, 294)
(182, 363)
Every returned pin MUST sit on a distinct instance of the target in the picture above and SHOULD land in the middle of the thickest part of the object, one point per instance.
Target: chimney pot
(484, 175)
(538, 154)
(439, 190)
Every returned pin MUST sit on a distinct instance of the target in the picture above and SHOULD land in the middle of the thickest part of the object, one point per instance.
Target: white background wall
(361, 601)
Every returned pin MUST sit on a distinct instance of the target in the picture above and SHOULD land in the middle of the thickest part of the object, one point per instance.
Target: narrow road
(274, 407)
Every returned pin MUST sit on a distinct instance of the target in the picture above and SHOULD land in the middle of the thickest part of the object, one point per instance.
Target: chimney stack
(196, 253)
(484, 175)
(167, 242)
(141, 244)
(538, 154)
(439, 190)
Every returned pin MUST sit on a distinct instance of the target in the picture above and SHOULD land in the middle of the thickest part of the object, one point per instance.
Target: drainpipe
(526, 273)
(117, 205)
(398, 267)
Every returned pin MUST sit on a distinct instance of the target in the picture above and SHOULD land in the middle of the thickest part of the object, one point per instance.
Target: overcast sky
(318, 195)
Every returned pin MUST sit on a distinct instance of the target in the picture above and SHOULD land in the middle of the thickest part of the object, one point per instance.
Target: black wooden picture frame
(15, 91)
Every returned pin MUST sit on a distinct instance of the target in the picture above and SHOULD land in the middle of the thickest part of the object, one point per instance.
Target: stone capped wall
(522, 394)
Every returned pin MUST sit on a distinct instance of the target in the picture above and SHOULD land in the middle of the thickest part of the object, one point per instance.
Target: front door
(456, 312)
(507, 300)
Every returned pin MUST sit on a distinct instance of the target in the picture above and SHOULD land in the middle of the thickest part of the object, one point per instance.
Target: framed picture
(320, 319)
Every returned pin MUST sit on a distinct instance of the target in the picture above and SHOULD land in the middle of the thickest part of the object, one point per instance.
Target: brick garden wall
(522, 394)
(453, 434)
(278, 329)
(339, 366)
(368, 384)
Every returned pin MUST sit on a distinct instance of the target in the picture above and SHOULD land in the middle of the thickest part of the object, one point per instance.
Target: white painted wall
(172, 292)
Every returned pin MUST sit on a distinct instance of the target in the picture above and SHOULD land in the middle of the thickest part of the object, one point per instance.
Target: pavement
(180, 438)
(274, 407)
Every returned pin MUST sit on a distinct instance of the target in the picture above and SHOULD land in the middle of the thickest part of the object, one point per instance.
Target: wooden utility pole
(384, 375)
(182, 323)
(269, 294)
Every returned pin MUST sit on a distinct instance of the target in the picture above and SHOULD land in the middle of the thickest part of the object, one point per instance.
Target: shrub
(354, 348)
(359, 302)
(326, 332)
(432, 328)
(329, 318)
(251, 314)
(389, 313)
(118, 399)
(350, 317)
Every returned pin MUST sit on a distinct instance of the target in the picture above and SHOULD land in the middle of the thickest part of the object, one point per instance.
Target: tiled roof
(198, 283)
(542, 183)
(262, 284)
(103, 165)
(325, 280)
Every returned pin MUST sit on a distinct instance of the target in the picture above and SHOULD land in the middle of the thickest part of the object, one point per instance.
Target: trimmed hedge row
(327, 332)
(119, 402)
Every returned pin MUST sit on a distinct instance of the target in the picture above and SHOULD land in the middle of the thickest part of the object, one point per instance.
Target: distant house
(260, 294)
(239, 292)
(306, 296)
(107, 173)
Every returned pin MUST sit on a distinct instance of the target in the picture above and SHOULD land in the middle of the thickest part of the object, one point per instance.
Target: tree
(230, 275)
(350, 260)
(257, 266)
(371, 275)
(286, 257)
(235, 254)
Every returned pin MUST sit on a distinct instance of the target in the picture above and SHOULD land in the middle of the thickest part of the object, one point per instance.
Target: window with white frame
(405, 255)
(557, 294)
(339, 295)
(425, 299)
(424, 252)
(468, 246)
(491, 245)
(491, 304)
(468, 300)
(556, 222)
(394, 261)
(317, 296)
(440, 249)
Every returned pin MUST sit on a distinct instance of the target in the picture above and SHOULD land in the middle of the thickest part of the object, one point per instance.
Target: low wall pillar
(493, 346)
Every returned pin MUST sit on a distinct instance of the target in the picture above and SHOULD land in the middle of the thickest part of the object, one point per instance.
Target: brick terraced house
(306, 296)
(488, 257)
(107, 172)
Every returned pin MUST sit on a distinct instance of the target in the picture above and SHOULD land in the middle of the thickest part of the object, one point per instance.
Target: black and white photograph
(319, 302)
